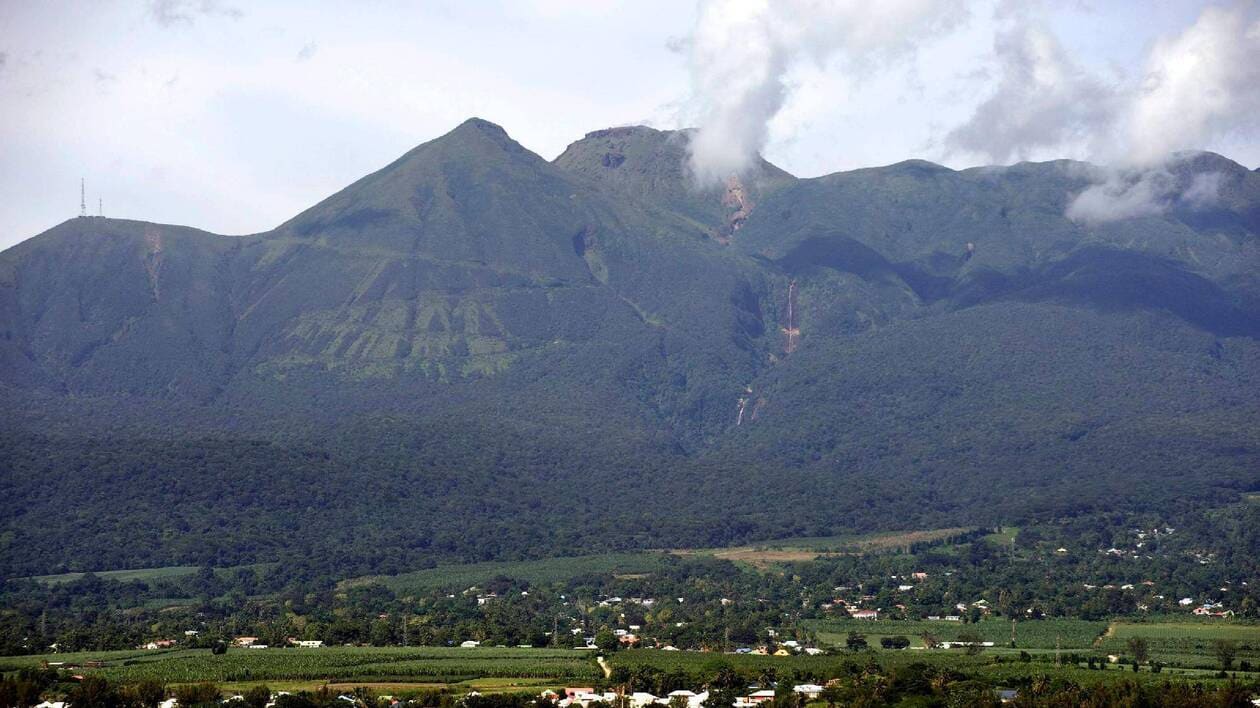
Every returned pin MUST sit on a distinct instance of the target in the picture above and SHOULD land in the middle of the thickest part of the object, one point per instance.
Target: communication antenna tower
(100, 207)
(82, 198)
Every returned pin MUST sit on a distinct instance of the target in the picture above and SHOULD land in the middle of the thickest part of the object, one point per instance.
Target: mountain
(477, 353)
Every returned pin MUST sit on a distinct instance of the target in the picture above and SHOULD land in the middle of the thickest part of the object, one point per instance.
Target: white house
(809, 690)
(640, 699)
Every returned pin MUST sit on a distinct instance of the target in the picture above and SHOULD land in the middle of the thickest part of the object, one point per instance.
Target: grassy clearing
(143, 574)
(790, 550)
(174, 571)
(538, 572)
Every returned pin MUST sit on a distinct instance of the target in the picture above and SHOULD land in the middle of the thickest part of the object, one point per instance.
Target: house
(1185, 602)
(783, 651)
(813, 651)
(641, 699)
(964, 644)
(1007, 695)
(585, 698)
(160, 644)
(573, 691)
(765, 695)
(245, 641)
(919, 576)
(865, 614)
(309, 643)
(811, 691)
(904, 588)
(469, 644)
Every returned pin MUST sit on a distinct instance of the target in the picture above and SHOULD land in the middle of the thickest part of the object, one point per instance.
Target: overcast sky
(233, 116)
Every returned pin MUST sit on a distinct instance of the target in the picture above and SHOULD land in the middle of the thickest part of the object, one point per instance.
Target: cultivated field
(1002, 668)
(143, 574)
(437, 665)
(761, 555)
(1065, 634)
(537, 572)
(1184, 643)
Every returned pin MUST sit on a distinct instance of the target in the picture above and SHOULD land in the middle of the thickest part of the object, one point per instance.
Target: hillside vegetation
(474, 354)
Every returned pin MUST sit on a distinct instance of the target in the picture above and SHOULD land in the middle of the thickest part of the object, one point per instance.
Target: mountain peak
(480, 127)
(653, 166)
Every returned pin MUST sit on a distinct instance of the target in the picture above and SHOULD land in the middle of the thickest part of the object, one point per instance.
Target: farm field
(358, 665)
(761, 555)
(174, 571)
(1184, 643)
(1066, 634)
(481, 685)
(995, 667)
(398, 670)
(538, 572)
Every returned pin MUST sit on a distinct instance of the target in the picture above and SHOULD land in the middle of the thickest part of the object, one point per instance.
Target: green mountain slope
(475, 353)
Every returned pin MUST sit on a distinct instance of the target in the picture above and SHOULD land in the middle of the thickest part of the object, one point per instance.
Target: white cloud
(1198, 86)
(1123, 195)
(171, 13)
(1042, 99)
(741, 53)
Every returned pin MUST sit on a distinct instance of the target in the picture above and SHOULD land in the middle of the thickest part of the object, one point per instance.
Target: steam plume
(742, 51)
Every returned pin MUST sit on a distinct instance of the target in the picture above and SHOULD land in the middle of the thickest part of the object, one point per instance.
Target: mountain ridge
(593, 344)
